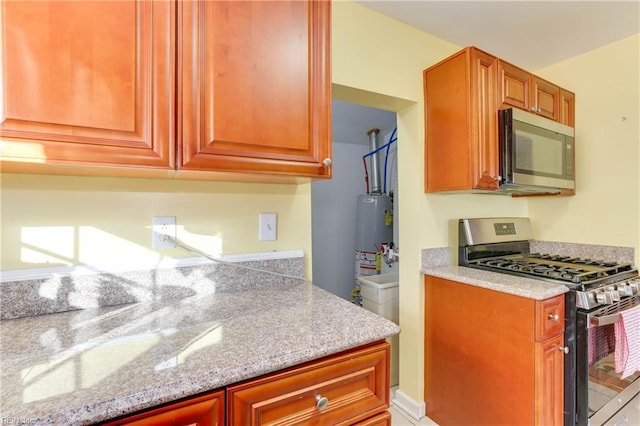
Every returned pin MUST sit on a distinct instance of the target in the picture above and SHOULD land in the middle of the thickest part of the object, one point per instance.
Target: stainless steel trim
(545, 123)
(546, 182)
(474, 231)
(616, 404)
(596, 320)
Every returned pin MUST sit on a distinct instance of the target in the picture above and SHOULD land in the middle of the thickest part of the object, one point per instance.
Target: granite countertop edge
(519, 286)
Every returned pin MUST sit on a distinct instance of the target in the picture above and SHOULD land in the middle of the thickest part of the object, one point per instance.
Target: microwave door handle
(504, 146)
(503, 155)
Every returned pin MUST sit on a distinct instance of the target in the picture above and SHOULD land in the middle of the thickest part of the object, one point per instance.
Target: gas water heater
(374, 223)
(374, 227)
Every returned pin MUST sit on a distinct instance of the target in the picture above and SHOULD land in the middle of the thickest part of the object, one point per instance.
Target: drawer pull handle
(321, 402)
(554, 317)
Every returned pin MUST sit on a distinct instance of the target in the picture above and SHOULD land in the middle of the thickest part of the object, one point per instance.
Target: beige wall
(606, 208)
(104, 222)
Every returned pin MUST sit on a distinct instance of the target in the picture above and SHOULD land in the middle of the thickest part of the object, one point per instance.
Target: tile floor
(399, 417)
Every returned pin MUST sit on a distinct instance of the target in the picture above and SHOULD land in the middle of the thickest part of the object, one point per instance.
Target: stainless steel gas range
(599, 290)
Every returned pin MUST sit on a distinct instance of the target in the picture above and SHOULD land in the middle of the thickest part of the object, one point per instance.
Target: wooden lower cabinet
(340, 390)
(204, 410)
(383, 419)
(349, 388)
(491, 357)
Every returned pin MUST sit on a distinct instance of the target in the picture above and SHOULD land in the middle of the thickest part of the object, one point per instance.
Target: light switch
(268, 226)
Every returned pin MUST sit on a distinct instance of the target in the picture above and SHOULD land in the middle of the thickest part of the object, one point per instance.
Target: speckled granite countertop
(524, 287)
(86, 366)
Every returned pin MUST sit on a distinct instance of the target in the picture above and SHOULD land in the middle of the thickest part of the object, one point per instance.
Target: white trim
(415, 409)
(165, 263)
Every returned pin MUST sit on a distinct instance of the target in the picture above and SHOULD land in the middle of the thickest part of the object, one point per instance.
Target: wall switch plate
(163, 225)
(268, 226)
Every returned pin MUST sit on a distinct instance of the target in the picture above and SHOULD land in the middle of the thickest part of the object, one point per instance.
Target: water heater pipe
(376, 185)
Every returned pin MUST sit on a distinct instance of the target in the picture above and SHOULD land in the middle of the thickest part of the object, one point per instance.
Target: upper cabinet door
(515, 89)
(255, 87)
(521, 89)
(88, 83)
(547, 98)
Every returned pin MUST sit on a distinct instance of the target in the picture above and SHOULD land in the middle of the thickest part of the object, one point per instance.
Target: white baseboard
(416, 409)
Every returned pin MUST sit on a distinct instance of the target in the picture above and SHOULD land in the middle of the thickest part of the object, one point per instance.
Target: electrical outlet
(163, 225)
(268, 226)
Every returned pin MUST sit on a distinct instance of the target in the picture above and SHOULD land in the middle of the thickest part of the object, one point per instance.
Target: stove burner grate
(563, 268)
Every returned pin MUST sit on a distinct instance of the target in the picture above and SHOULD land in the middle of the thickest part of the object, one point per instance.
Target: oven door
(602, 394)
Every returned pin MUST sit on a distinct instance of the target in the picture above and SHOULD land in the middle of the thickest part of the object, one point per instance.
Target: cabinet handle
(554, 317)
(321, 402)
(327, 162)
(564, 349)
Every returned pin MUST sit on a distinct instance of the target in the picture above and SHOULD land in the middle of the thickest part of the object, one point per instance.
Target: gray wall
(333, 215)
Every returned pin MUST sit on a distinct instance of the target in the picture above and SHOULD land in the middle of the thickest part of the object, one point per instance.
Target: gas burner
(555, 267)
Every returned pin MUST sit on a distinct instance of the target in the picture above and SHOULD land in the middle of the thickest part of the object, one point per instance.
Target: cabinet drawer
(549, 317)
(383, 419)
(355, 384)
(205, 410)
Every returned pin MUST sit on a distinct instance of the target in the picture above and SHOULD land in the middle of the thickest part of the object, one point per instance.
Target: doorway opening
(334, 202)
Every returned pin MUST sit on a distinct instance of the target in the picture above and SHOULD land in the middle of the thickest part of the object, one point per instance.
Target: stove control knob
(624, 290)
(615, 296)
(604, 297)
(635, 286)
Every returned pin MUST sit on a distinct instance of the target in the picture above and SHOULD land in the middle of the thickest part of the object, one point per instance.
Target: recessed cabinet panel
(483, 72)
(547, 97)
(549, 383)
(515, 86)
(255, 87)
(343, 389)
(88, 82)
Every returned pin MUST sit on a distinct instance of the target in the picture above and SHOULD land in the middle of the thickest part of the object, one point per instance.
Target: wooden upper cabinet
(461, 123)
(255, 87)
(462, 96)
(521, 89)
(87, 84)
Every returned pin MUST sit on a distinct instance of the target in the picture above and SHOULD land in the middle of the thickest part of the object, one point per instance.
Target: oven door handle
(599, 321)
(603, 320)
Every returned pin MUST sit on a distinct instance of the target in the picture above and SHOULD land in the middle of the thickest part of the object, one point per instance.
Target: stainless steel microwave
(536, 154)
